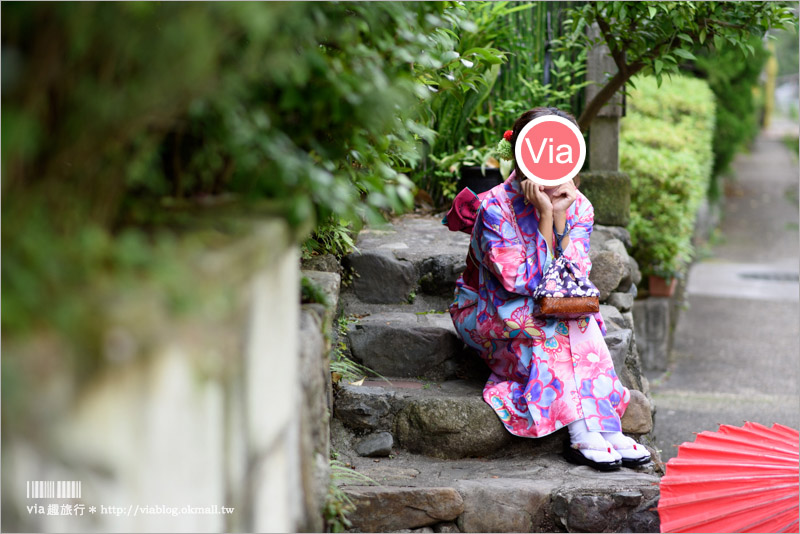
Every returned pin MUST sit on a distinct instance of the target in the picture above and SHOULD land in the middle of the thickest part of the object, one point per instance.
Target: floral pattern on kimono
(545, 372)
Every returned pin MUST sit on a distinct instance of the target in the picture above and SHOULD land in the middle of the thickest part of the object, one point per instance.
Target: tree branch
(604, 95)
(616, 53)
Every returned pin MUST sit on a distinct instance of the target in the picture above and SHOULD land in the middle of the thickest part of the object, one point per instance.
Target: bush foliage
(666, 148)
(732, 76)
(119, 118)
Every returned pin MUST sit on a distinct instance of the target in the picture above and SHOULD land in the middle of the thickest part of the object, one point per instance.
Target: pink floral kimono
(546, 373)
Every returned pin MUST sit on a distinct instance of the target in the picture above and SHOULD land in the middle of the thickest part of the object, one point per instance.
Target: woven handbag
(565, 294)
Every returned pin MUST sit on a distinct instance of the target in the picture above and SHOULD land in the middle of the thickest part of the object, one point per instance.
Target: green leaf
(657, 66)
(685, 54)
(686, 38)
(702, 36)
(652, 11)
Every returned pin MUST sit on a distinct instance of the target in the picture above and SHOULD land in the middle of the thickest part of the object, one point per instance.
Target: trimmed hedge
(666, 148)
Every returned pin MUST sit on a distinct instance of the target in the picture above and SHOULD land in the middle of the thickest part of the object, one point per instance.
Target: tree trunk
(605, 94)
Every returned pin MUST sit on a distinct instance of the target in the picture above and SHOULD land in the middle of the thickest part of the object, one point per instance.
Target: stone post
(606, 187)
(604, 131)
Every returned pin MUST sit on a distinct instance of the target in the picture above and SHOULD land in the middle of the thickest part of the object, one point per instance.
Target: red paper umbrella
(734, 480)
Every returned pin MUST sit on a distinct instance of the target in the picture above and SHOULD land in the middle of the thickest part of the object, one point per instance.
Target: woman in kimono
(546, 373)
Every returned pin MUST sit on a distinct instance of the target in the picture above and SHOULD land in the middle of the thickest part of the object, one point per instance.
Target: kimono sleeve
(518, 268)
(578, 248)
(581, 224)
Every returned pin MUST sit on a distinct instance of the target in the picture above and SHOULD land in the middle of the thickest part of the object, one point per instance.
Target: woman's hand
(563, 196)
(535, 194)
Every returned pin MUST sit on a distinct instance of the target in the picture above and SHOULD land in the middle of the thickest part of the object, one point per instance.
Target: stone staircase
(441, 459)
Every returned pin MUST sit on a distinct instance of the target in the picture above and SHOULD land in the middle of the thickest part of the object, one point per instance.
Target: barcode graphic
(54, 489)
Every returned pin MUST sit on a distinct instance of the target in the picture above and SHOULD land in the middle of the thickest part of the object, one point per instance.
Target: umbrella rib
(723, 514)
(764, 520)
(748, 491)
(791, 527)
(747, 480)
(716, 497)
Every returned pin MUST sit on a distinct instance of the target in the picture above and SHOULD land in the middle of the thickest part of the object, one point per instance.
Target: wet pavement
(736, 353)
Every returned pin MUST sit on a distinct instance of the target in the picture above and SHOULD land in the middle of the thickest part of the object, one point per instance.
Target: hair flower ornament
(504, 148)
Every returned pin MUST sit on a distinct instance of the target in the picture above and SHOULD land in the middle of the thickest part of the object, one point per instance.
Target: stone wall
(203, 409)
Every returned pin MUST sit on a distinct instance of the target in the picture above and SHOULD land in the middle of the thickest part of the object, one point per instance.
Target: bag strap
(560, 237)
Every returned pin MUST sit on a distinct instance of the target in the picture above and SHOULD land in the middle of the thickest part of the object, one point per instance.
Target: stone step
(425, 345)
(447, 420)
(411, 345)
(417, 254)
(513, 492)
(414, 253)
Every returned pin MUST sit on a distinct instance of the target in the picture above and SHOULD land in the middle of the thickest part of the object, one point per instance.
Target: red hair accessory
(508, 134)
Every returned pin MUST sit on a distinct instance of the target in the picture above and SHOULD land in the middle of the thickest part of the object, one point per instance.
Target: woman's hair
(530, 115)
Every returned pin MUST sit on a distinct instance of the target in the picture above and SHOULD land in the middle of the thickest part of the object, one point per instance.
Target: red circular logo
(550, 150)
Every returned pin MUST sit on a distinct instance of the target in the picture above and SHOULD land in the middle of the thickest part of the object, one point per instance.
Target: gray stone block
(384, 509)
(380, 278)
(438, 274)
(633, 377)
(407, 344)
(608, 269)
(615, 245)
(621, 301)
(450, 427)
(323, 262)
(612, 318)
(636, 274)
(637, 418)
(376, 445)
(510, 505)
(446, 528)
(652, 319)
(628, 318)
(607, 511)
(627, 280)
(364, 408)
(329, 283)
(601, 234)
(619, 345)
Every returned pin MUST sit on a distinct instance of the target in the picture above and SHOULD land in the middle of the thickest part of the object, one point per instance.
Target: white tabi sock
(626, 447)
(591, 444)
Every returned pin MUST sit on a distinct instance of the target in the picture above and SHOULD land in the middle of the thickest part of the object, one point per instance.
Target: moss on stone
(610, 194)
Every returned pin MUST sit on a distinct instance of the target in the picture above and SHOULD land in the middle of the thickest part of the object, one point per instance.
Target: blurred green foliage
(138, 118)
(546, 27)
(732, 76)
(786, 50)
(514, 37)
(666, 148)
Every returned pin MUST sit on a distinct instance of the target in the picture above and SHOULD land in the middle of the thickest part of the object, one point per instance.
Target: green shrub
(156, 117)
(732, 76)
(512, 38)
(666, 148)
